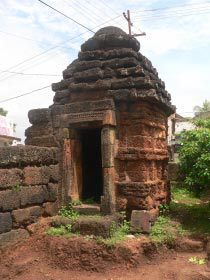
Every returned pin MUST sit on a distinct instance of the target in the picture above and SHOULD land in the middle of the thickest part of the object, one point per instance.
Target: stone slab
(20, 156)
(9, 200)
(86, 209)
(140, 221)
(5, 222)
(26, 216)
(10, 177)
(12, 237)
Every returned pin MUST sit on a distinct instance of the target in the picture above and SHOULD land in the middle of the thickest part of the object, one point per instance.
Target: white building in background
(7, 132)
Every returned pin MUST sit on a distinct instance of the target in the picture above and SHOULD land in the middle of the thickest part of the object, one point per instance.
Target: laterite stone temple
(108, 123)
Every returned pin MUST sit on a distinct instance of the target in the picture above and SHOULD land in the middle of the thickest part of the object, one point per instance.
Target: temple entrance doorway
(92, 179)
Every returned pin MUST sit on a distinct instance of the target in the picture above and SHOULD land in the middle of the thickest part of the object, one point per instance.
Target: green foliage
(205, 107)
(194, 217)
(3, 112)
(77, 202)
(62, 231)
(203, 123)
(68, 212)
(163, 209)
(194, 156)
(165, 230)
(184, 195)
(117, 233)
(196, 260)
(17, 188)
(89, 200)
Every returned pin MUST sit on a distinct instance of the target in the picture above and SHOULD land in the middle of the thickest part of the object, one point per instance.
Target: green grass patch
(165, 230)
(191, 212)
(184, 195)
(195, 218)
(117, 234)
(68, 212)
(62, 231)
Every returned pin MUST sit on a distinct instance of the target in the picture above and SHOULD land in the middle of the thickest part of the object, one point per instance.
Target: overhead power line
(52, 48)
(166, 8)
(24, 94)
(30, 74)
(66, 16)
(174, 12)
(175, 16)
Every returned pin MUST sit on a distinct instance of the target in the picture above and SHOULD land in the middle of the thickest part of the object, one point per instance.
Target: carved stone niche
(77, 135)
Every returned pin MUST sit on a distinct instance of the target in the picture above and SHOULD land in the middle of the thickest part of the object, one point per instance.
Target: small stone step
(97, 226)
(87, 209)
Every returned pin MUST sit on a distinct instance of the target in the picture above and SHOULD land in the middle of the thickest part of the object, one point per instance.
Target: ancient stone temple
(109, 124)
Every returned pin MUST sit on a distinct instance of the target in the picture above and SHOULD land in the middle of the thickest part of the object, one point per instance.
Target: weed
(117, 233)
(184, 195)
(68, 212)
(62, 231)
(196, 260)
(163, 209)
(77, 202)
(17, 188)
(90, 200)
(165, 230)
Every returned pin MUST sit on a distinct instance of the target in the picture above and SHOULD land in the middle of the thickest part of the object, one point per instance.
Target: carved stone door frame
(72, 172)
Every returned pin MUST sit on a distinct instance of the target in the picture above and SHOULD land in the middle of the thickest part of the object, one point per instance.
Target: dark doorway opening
(92, 188)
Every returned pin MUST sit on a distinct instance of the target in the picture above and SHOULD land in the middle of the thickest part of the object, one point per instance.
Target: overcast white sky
(177, 43)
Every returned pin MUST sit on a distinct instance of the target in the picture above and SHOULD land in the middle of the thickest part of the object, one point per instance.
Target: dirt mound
(58, 258)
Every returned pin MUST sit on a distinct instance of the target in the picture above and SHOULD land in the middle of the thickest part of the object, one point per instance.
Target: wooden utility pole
(130, 24)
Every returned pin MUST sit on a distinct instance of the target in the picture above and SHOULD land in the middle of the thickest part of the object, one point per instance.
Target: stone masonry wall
(28, 188)
(141, 160)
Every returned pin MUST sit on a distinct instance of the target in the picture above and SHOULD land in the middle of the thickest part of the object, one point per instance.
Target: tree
(194, 156)
(205, 107)
(3, 112)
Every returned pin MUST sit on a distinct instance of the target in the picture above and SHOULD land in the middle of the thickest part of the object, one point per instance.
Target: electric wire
(52, 48)
(87, 28)
(30, 74)
(175, 16)
(24, 94)
(165, 8)
(173, 12)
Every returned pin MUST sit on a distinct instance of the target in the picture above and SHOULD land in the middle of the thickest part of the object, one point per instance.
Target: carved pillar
(107, 145)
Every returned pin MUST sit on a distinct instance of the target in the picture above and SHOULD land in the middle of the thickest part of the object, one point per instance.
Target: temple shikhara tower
(109, 124)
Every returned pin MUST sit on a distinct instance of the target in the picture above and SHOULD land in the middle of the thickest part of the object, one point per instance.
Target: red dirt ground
(56, 258)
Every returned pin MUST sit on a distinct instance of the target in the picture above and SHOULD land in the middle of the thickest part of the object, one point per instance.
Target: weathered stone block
(54, 173)
(37, 175)
(9, 200)
(50, 209)
(86, 209)
(39, 115)
(27, 155)
(39, 130)
(5, 222)
(13, 237)
(43, 141)
(33, 195)
(10, 177)
(26, 216)
(140, 221)
(52, 192)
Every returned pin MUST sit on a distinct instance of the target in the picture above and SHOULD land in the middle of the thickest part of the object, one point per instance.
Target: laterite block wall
(28, 188)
